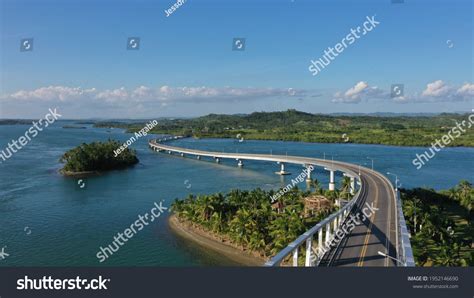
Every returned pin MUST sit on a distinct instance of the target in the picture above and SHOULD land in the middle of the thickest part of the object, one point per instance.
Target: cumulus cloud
(466, 90)
(163, 94)
(60, 93)
(440, 91)
(437, 91)
(361, 91)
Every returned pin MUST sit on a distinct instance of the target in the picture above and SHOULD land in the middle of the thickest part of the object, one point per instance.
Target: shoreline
(78, 174)
(188, 232)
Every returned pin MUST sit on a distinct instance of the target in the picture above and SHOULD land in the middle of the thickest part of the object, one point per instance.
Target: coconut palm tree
(412, 209)
(345, 184)
(465, 194)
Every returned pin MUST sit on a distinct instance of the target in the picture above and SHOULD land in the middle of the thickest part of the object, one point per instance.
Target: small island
(74, 127)
(245, 226)
(96, 157)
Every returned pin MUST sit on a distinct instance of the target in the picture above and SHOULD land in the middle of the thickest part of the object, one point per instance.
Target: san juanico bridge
(369, 230)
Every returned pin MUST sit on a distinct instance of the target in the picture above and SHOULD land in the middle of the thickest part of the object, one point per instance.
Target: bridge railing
(315, 238)
(329, 227)
(404, 251)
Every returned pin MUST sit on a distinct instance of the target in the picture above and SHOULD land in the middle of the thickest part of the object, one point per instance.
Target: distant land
(10, 121)
(293, 125)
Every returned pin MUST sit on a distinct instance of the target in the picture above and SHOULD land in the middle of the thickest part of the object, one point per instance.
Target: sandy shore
(204, 239)
(78, 174)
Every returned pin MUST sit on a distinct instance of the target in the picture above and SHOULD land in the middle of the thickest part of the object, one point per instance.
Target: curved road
(361, 246)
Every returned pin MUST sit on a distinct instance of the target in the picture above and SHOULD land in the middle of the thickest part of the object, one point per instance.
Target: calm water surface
(48, 220)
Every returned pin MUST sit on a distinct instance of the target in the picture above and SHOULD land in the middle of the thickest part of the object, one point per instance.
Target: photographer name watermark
(300, 178)
(141, 133)
(174, 7)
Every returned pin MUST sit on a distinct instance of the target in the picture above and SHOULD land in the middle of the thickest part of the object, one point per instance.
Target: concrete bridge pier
(308, 170)
(332, 184)
(198, 157)
(217, 159)
(282, 169)
(182, 154)
(240, 163)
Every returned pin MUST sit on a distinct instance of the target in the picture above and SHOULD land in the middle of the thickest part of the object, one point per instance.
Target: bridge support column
(282, 169)
(198, 157)
(182, 154)
(169, 152)
(217, 160)
(308, 178)
(353, 188)
(309, 243)
(240, 163)
(332, 185)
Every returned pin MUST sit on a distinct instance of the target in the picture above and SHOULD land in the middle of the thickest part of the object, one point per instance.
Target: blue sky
(186, 67)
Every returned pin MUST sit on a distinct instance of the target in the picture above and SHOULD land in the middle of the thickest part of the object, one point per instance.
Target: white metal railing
(324, 228)
(327, 227)
(404, 251)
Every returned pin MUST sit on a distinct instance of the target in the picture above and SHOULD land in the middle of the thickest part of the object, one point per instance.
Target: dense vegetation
(97, 156)
(441, 225)
(247, 218)
(299, 126)
(443, 235)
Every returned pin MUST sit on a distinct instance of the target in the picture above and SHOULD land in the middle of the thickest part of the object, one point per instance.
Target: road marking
(387, 235)
(390, 187)
(369, 230)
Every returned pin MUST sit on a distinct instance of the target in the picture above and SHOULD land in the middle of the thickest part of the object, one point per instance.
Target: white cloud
(361, 91)
(437, 91)
(466, 90)
(147, 94)
(114, 95)
(52, 93)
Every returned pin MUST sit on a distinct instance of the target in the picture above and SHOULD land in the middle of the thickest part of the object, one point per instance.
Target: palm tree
(412, 209)
(345, 184)
(317, 186)
(465, 194)
(449, 256)
(242, 226)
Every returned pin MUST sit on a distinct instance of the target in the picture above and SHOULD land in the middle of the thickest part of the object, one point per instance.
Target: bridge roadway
(361, 246)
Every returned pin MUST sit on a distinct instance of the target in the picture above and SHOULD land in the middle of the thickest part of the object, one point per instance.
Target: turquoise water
(48, 220)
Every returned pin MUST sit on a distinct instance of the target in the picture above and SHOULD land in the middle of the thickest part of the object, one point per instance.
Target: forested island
(97, 157)
(294, 125)
(250, 223)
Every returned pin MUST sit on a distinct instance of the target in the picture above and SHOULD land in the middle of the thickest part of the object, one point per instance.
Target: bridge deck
(376, 233)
